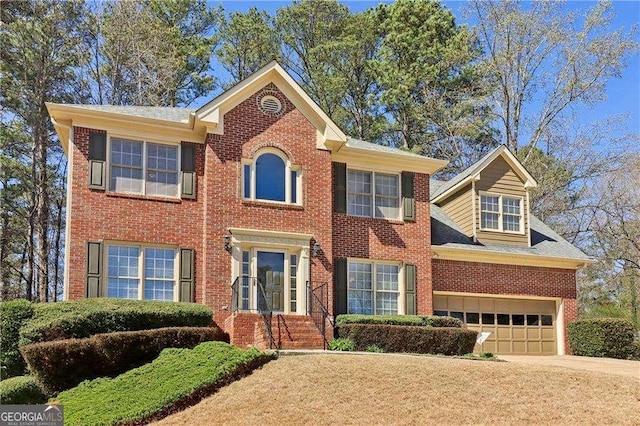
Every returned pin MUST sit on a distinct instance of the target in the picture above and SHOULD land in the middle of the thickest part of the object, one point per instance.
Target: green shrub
(419, 320)
(486, 355)
(21, 390)
(12, 316)
(402, 338)
(636, 351)
(62, 364)
(375, 348)
(601, 337)
(176, 379)
(86, 317)
(341, 344)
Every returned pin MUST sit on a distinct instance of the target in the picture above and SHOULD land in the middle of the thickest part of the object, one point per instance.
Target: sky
(623, 94)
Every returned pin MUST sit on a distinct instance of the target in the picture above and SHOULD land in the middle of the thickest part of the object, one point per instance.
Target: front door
(271, 275)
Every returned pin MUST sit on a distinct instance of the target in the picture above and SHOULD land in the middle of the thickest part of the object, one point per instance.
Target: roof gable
(448, 188)
(212, 113)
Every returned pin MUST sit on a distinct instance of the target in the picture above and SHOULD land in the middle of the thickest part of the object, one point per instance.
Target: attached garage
(516, 326)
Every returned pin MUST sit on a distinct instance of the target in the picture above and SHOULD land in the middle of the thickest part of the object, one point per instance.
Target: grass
(177, 378)
(400, 389)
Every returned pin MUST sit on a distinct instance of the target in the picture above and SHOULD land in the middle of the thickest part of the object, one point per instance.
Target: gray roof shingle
(173, 114)
(357, 143)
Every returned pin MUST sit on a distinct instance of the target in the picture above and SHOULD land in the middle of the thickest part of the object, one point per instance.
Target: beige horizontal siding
(498, 178)
(460, 208)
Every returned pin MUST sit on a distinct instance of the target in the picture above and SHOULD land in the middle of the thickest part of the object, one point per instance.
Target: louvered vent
(270, 105)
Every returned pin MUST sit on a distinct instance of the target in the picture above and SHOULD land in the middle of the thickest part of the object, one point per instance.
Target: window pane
(457, 315)
(511, 223)
(126, 166)
(359, 193)
(473, 318)
(547, 320)
(387, 196)
(123, 273)
(517, 319)
(489, 203)
(440, 313)
(247, 181)
(503, 319)
(387, 277)
(270, 180)
(511, 205)
(488, 318)
(360, 286)
(159, 267)
(489, 220)
(293, 271)
(386, 303)
(294, 186)
(162, 170)
(533, 319)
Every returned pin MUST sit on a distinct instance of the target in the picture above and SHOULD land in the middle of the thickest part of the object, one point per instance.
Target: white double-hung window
(501, 213)
(142, 167)
(373, 288)
(372, 194)
(139, 272)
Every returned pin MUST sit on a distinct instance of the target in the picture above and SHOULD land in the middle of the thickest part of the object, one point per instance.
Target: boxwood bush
(62, 364)
(86, 317)
(403, 338)
(176, 379)
(602, 337)
(21, 390)
(12, 316)
(418, 320)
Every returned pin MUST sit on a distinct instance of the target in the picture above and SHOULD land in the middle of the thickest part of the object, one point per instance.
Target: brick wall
(379, 239)
(96, 216)
(473, 277)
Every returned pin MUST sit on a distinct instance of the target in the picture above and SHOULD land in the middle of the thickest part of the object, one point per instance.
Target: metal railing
(317, 302)
(241, 290)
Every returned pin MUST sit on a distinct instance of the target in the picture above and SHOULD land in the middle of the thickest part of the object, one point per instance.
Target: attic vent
(270, 105)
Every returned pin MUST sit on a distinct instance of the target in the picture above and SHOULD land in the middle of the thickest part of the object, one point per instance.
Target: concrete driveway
(602, 365)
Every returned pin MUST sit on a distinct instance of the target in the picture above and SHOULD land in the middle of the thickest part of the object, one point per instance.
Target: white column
(303, 277)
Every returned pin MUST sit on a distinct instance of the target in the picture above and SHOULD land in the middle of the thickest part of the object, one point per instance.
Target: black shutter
(186, 275)
(408, 197)
(410, 289)
(340, 187)
(340, 278)
(94, 269)
(97, 160)
(188, 168)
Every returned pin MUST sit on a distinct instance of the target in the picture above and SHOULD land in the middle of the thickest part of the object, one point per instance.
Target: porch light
(226, 239)
(316, 249)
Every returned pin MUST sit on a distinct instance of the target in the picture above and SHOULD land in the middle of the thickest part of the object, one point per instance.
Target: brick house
(259, 206)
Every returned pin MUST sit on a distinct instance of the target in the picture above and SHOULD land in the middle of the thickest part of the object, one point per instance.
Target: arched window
(270, 177)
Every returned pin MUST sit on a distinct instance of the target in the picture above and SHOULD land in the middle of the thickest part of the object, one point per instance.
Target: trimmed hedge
(177, 379)
(62, 364)
(21, 390)
(415, 320)
(403, 338)
(86, 317)
(12, 316)
(602, 337)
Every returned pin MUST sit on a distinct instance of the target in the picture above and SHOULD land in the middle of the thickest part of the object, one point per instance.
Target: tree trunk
(42, 214)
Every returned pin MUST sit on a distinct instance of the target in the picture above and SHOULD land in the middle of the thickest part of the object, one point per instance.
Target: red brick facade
(492, 279)
(200, 225)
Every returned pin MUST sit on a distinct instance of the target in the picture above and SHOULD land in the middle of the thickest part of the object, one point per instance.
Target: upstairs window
(501, 213)
(143, 168)
(371, 194)
(270, 177)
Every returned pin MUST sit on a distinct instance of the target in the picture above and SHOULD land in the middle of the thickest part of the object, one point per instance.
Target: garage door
(516, 326)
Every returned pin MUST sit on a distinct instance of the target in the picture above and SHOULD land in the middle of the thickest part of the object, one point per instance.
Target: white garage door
(517, 326)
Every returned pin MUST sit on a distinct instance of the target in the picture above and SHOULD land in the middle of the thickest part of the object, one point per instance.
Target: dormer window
(501, 213)
(271, 177)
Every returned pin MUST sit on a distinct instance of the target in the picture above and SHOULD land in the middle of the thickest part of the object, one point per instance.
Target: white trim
(474, 210)
(501, 214)
(560, 326)
(528, 216)
(67, 232)
(388, 162)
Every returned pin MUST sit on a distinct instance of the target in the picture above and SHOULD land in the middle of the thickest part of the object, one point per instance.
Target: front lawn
(176, 379)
